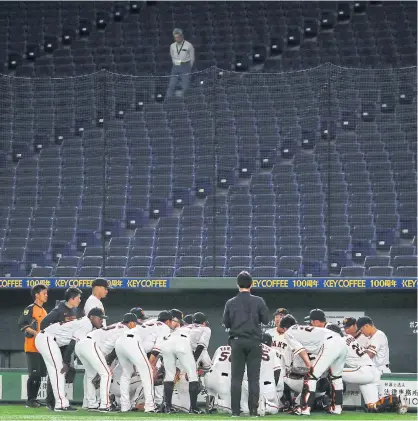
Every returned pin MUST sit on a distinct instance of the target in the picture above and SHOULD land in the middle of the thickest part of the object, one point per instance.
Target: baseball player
(95, 352)
(331, 354)
(180, 345)
(269, 377)
(350, 328)
(360, 369)
(317, 318)
(132, 349)
(140, 314)
(48, 343)
(99, 290)
(377, 344)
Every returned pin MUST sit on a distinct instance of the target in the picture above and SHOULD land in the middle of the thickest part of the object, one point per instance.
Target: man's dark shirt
(244, 314)
(61, 313)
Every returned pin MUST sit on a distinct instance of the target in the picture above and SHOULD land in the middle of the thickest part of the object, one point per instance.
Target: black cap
(334, 328)
(362, 321)
(188, 319)
(282, 311)
(96, 311)
(129, 317)
(177, 314)
(317, 314)
(199, 318)
(287, 321)
(101, 282)
(164, 316)
(139, 313)
(349, 321)
(266, 339)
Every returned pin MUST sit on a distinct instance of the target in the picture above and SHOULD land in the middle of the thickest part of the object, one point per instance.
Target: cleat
(195, 411)
(170, 410)
(107, 410)
(67, 409)
(152, 411)
(33, 404)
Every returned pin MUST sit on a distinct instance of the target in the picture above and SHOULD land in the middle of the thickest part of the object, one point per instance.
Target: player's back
(64, 331)
(270, 362)
(107, 337)
(198, 334)
(308, 337)
(357, 356)
(151, 333)
(221, 361)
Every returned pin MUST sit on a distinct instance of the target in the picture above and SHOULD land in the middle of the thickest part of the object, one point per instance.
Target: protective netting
(299, 173)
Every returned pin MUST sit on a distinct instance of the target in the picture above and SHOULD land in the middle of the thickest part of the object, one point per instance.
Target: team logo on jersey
(26, 312)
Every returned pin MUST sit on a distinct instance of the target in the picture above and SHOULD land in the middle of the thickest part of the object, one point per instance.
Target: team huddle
(162, 364)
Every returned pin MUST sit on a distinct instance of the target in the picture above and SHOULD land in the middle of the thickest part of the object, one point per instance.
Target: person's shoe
(301, 411)
(41, 403)
(107, 410)
(67, 409)
(152, 411)
(170, 410)
(32, 404)
(335, 410)
(195, 411)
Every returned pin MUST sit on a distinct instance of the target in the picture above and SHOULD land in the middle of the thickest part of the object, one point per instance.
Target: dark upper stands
(315, 170)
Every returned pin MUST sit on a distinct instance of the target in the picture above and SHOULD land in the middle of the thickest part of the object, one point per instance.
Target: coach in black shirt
(243, 316)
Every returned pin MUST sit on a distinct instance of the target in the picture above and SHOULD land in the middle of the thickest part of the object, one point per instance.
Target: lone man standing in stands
(182, 55)
(243, 316)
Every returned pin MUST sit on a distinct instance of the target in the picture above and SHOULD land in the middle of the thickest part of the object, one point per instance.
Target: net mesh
(300, 173)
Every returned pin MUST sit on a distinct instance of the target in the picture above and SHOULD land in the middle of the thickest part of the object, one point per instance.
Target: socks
(194, 392)
(168, 393)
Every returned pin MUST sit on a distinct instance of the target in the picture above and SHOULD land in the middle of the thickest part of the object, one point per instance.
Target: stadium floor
(21, 413)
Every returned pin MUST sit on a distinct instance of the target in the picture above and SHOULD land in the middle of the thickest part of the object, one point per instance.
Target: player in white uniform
(377, 345)
(350, 328)
(48, 343)
(136, 395)
(140, 314)
(184, 344)
(132, 349)
(99, 290)
(331, 354)
(96, 353)
(280, 345)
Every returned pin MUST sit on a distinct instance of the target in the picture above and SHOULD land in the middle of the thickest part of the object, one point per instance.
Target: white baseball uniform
(133, 358)
(280, 345)
(269, 399)
(180, 345)
(92, 351)
(151, 334)
(90, 303)
(135, 387)
(218, 380)
(329, 347)
(48, 343)
(379, 346)
(361, 370)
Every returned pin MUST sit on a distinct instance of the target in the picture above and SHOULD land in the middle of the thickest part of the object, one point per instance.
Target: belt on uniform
(184, 336)
(130, 335)
(53, 337)
(89, 337)
(266, 383)
(329, 337)
(387, 365)
(224, 374)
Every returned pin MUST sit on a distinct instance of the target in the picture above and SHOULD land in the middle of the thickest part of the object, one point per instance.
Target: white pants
(367, 377)
(181, 395)
(384, 369)
(132, 357)
(94, 362)
(135, 387)
(51, 354)
(331, 356)
(269, 401)
(218, 384)
(178, 347)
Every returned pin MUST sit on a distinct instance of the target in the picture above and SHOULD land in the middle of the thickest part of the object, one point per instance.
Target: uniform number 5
(225, 356)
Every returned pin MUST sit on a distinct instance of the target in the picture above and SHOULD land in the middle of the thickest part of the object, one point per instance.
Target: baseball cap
(96, 311)
(281, 311)
(349, 321)
(199, 318)
(101, 282)
(177, 314)
(188, 319)
(164, 316)
(129, 317)
(139, 313)
(316, 314)
(363, 321)
(267, 339)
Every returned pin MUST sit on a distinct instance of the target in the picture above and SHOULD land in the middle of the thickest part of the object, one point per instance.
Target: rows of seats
(65, 39)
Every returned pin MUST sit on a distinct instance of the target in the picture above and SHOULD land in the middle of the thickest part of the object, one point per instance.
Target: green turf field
(20, 413)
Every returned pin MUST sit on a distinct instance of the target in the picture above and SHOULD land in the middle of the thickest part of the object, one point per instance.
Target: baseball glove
(298, 372)
(70, 375)
(96, 381)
